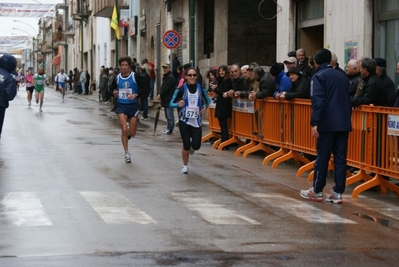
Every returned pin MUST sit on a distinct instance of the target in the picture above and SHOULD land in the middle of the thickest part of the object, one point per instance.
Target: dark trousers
(190, 135)
(2, 114)
(327, 143)
(224, 129)
(144, 106)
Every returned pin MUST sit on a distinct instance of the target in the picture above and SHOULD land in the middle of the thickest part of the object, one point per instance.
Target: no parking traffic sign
(171, 39)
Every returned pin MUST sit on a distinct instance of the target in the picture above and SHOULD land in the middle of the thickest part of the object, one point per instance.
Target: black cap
(322, 56)
(291, 54)
(381, 62)
(275, 69)
(295, 70)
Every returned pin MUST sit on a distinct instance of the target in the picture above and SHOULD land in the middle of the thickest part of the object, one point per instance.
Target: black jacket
(299, 89)
(389, 86)
(331, 110)
(238, 84)
(145, 84)
(354, 82)
(167, 89)
(372, 92)
(224, 106)
(266, 86)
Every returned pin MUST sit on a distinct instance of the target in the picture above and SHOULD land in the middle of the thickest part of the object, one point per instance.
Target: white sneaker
(40, 110)
(192, 151)
(29, 104)
(184, 169)
(127, 157)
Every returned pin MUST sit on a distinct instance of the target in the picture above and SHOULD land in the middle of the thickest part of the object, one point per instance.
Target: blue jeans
(170, 117)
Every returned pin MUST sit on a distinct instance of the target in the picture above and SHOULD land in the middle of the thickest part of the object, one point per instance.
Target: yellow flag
(115, 23)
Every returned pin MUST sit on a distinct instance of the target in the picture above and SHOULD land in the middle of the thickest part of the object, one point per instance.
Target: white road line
(212, 213)
(23, 209)
(114, 208)
(301, 209)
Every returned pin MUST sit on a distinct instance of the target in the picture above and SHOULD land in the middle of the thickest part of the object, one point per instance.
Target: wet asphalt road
(69, 199)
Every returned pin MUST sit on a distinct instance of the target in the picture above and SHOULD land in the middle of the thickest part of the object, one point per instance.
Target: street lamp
(16, 29)
(27, 24)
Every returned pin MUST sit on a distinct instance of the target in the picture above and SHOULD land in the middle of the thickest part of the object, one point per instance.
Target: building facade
(222, 32)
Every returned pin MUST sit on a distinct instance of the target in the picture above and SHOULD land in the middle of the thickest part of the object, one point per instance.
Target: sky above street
(20, 27)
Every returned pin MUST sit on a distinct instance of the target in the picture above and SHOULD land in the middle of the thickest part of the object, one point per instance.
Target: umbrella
(157, 117)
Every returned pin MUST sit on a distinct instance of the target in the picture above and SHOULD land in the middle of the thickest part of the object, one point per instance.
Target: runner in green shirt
(38, 80)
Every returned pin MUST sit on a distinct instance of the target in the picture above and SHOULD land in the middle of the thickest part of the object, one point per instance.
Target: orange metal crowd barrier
(282, 130)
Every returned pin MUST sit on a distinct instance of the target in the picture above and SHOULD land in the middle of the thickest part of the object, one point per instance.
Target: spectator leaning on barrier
(266, 84)
(331, 124)
(353, 75)
(236, 79)
(247, 83)
(372, 91)
(386, 81)
(252, 85)
(283, 83)
(300, 85)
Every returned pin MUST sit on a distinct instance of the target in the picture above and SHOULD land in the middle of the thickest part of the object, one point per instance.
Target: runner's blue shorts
(130, 110)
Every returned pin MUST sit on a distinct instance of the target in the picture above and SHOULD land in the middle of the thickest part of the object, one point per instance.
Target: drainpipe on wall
(81, 34)
(192, 32)
(116, 39)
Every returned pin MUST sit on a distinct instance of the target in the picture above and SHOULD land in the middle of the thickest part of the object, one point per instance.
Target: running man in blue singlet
(126, 90)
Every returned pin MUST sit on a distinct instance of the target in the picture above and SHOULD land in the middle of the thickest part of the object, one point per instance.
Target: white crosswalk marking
(114, 208)
(23, 209)
(301, 209)
(213, 213)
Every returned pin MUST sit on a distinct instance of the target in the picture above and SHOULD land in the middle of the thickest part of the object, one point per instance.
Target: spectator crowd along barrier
(282, 130)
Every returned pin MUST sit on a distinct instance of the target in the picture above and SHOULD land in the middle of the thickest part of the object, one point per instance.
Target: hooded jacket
(8, 85)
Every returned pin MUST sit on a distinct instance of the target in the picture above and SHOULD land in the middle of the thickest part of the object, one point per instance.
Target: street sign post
(171, 39)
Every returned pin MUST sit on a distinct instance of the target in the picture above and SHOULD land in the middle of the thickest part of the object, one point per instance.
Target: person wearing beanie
(386, 81)
(283, 83)
(331, 124)
(300, 87)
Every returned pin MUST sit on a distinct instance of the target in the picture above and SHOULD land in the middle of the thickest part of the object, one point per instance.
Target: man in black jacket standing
(145, 84)
(373, 90)
(386, 81)
(331, 124)
(165, 95)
